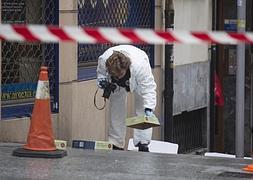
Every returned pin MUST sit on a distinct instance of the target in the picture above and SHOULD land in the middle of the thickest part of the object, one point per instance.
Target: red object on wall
(219, 98)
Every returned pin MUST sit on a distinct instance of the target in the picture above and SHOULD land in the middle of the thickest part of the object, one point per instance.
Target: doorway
(224, 139)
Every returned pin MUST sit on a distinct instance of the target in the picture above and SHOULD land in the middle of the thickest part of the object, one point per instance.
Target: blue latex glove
(148, 112)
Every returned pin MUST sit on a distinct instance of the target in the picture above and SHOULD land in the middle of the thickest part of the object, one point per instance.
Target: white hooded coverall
(141, 82)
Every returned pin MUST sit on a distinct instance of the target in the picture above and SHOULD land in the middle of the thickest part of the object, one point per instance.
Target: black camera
(108, 88)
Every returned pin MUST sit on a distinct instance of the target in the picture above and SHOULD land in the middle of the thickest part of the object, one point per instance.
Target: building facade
(72, 70)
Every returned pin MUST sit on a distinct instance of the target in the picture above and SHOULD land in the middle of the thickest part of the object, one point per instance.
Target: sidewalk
(90, 164)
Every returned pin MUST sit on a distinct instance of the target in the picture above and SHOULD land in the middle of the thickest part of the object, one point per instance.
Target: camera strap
(95, 100)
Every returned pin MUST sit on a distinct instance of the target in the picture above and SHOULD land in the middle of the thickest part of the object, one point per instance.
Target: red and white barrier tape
(54, 34)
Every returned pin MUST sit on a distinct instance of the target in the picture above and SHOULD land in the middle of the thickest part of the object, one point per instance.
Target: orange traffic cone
(40, 140)
(41, 136)
(248, 168)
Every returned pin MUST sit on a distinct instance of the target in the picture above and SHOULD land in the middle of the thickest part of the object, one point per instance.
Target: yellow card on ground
(60, 144)
(142, 122)
(103, 145)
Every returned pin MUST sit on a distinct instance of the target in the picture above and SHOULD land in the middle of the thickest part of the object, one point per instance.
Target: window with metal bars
(111, 13)
(189, 130)
(21, 61)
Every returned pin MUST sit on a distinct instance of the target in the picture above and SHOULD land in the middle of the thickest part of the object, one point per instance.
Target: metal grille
(189, 130)
(112, 13)
(21, 61)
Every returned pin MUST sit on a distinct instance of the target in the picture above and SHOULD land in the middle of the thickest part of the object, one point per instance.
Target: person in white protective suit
(128, 67)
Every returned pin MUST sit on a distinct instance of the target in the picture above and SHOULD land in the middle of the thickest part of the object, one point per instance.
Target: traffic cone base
(21, 152)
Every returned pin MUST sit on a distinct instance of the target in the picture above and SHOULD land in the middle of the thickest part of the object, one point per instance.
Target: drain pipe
(169, 58)
(240, 81)
(211, 122)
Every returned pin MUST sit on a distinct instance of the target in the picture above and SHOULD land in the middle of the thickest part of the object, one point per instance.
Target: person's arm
(102, 74)
(146, 84)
